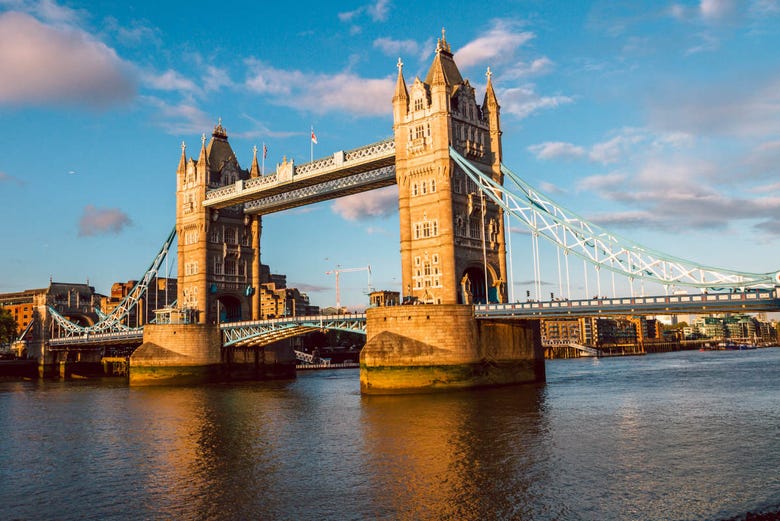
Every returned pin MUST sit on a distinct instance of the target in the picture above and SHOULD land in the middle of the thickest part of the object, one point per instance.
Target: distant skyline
(658, 120)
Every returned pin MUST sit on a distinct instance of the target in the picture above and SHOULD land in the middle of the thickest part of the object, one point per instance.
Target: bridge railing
(96, 338)
(687, 301)
(304, 319)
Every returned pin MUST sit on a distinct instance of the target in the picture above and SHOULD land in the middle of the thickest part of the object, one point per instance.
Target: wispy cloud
(391, 47)
(46, 10)
(620, 146)
(377, 203)
(729, 108)
(524, 100)
(6, 178)
(321, 93)
(377, 11)
(557, 150)
(169, 80)
(178, 119)
(53, 65)
(550, 188)
(100, 221)
(675, 195)
(710, 11)
(134, 34)
(498, 44)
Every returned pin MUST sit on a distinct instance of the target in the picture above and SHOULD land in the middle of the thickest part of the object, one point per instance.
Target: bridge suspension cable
(113, 321)
(599, 247)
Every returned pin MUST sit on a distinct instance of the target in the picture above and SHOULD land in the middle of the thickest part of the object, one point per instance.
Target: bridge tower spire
(219, 257)
(452, 238)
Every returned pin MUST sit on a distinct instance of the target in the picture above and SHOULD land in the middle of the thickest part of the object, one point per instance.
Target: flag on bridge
(265, 151)
(313, 136)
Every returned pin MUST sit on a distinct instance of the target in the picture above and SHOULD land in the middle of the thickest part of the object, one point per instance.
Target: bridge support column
(443, 347)
(176, 353)
(193, 353)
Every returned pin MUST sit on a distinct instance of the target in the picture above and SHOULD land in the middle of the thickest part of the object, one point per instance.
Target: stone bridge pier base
(424, 348)
(193, 354)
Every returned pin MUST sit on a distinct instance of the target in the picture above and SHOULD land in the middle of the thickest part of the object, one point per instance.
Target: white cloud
(178, 119)
(99, 221)
(717, 9)
(134, 34)
(736, 108)
(377, 203)
(676, 195)
(169, 80)
(391, 47)
(601, 182)
(615, 149)
(550, 188)
(524, 101)
(216, 78)
(523, 70)
(52, 65)
(498, 44)
(556, 150)
(612, 150)
(377, 11)
(321, 93)
(709, 11)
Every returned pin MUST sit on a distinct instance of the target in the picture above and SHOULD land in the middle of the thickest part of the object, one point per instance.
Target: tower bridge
(455, 199)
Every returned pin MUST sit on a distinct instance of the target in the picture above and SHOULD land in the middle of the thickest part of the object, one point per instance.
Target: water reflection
(468, 455)
(679, 436)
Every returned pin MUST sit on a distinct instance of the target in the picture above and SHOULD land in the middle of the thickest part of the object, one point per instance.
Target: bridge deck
(328, 169)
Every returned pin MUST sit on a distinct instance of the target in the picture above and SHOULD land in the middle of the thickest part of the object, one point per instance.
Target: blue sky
(660, 120)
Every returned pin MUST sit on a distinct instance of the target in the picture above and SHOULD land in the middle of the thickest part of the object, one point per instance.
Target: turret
(254, 171)
(401, 96)
(491, 110)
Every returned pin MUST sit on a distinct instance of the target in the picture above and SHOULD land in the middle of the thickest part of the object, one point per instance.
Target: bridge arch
(228, 308)
(472, 285)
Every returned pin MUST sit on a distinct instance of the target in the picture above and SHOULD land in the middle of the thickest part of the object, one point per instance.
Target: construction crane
(338, 271)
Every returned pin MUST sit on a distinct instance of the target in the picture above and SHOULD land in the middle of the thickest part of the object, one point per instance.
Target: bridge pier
(193, 354)
(444, 347)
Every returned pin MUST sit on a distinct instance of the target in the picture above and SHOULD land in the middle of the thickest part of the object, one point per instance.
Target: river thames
(679, 436)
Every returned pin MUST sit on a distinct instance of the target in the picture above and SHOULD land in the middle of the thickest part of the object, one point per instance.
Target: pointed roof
(219, 150)
(182, 160)
(255, 170)
(443, 69)
(203, 154)
(400, 85)
(490, 94)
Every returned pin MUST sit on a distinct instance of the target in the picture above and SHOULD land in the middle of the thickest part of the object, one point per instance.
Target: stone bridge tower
(219, 250)
(452, 249)
(452, 238)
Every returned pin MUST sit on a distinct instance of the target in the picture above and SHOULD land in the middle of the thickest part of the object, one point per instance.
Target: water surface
(679, 436)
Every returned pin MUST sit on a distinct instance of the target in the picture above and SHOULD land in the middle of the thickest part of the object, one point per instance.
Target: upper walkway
(343, 173)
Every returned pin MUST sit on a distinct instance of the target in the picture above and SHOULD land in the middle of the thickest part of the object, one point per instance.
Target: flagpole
(263, 169)
(311, 143)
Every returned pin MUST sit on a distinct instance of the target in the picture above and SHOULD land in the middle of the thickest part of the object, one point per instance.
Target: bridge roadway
(343, 173)
(263, 332)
